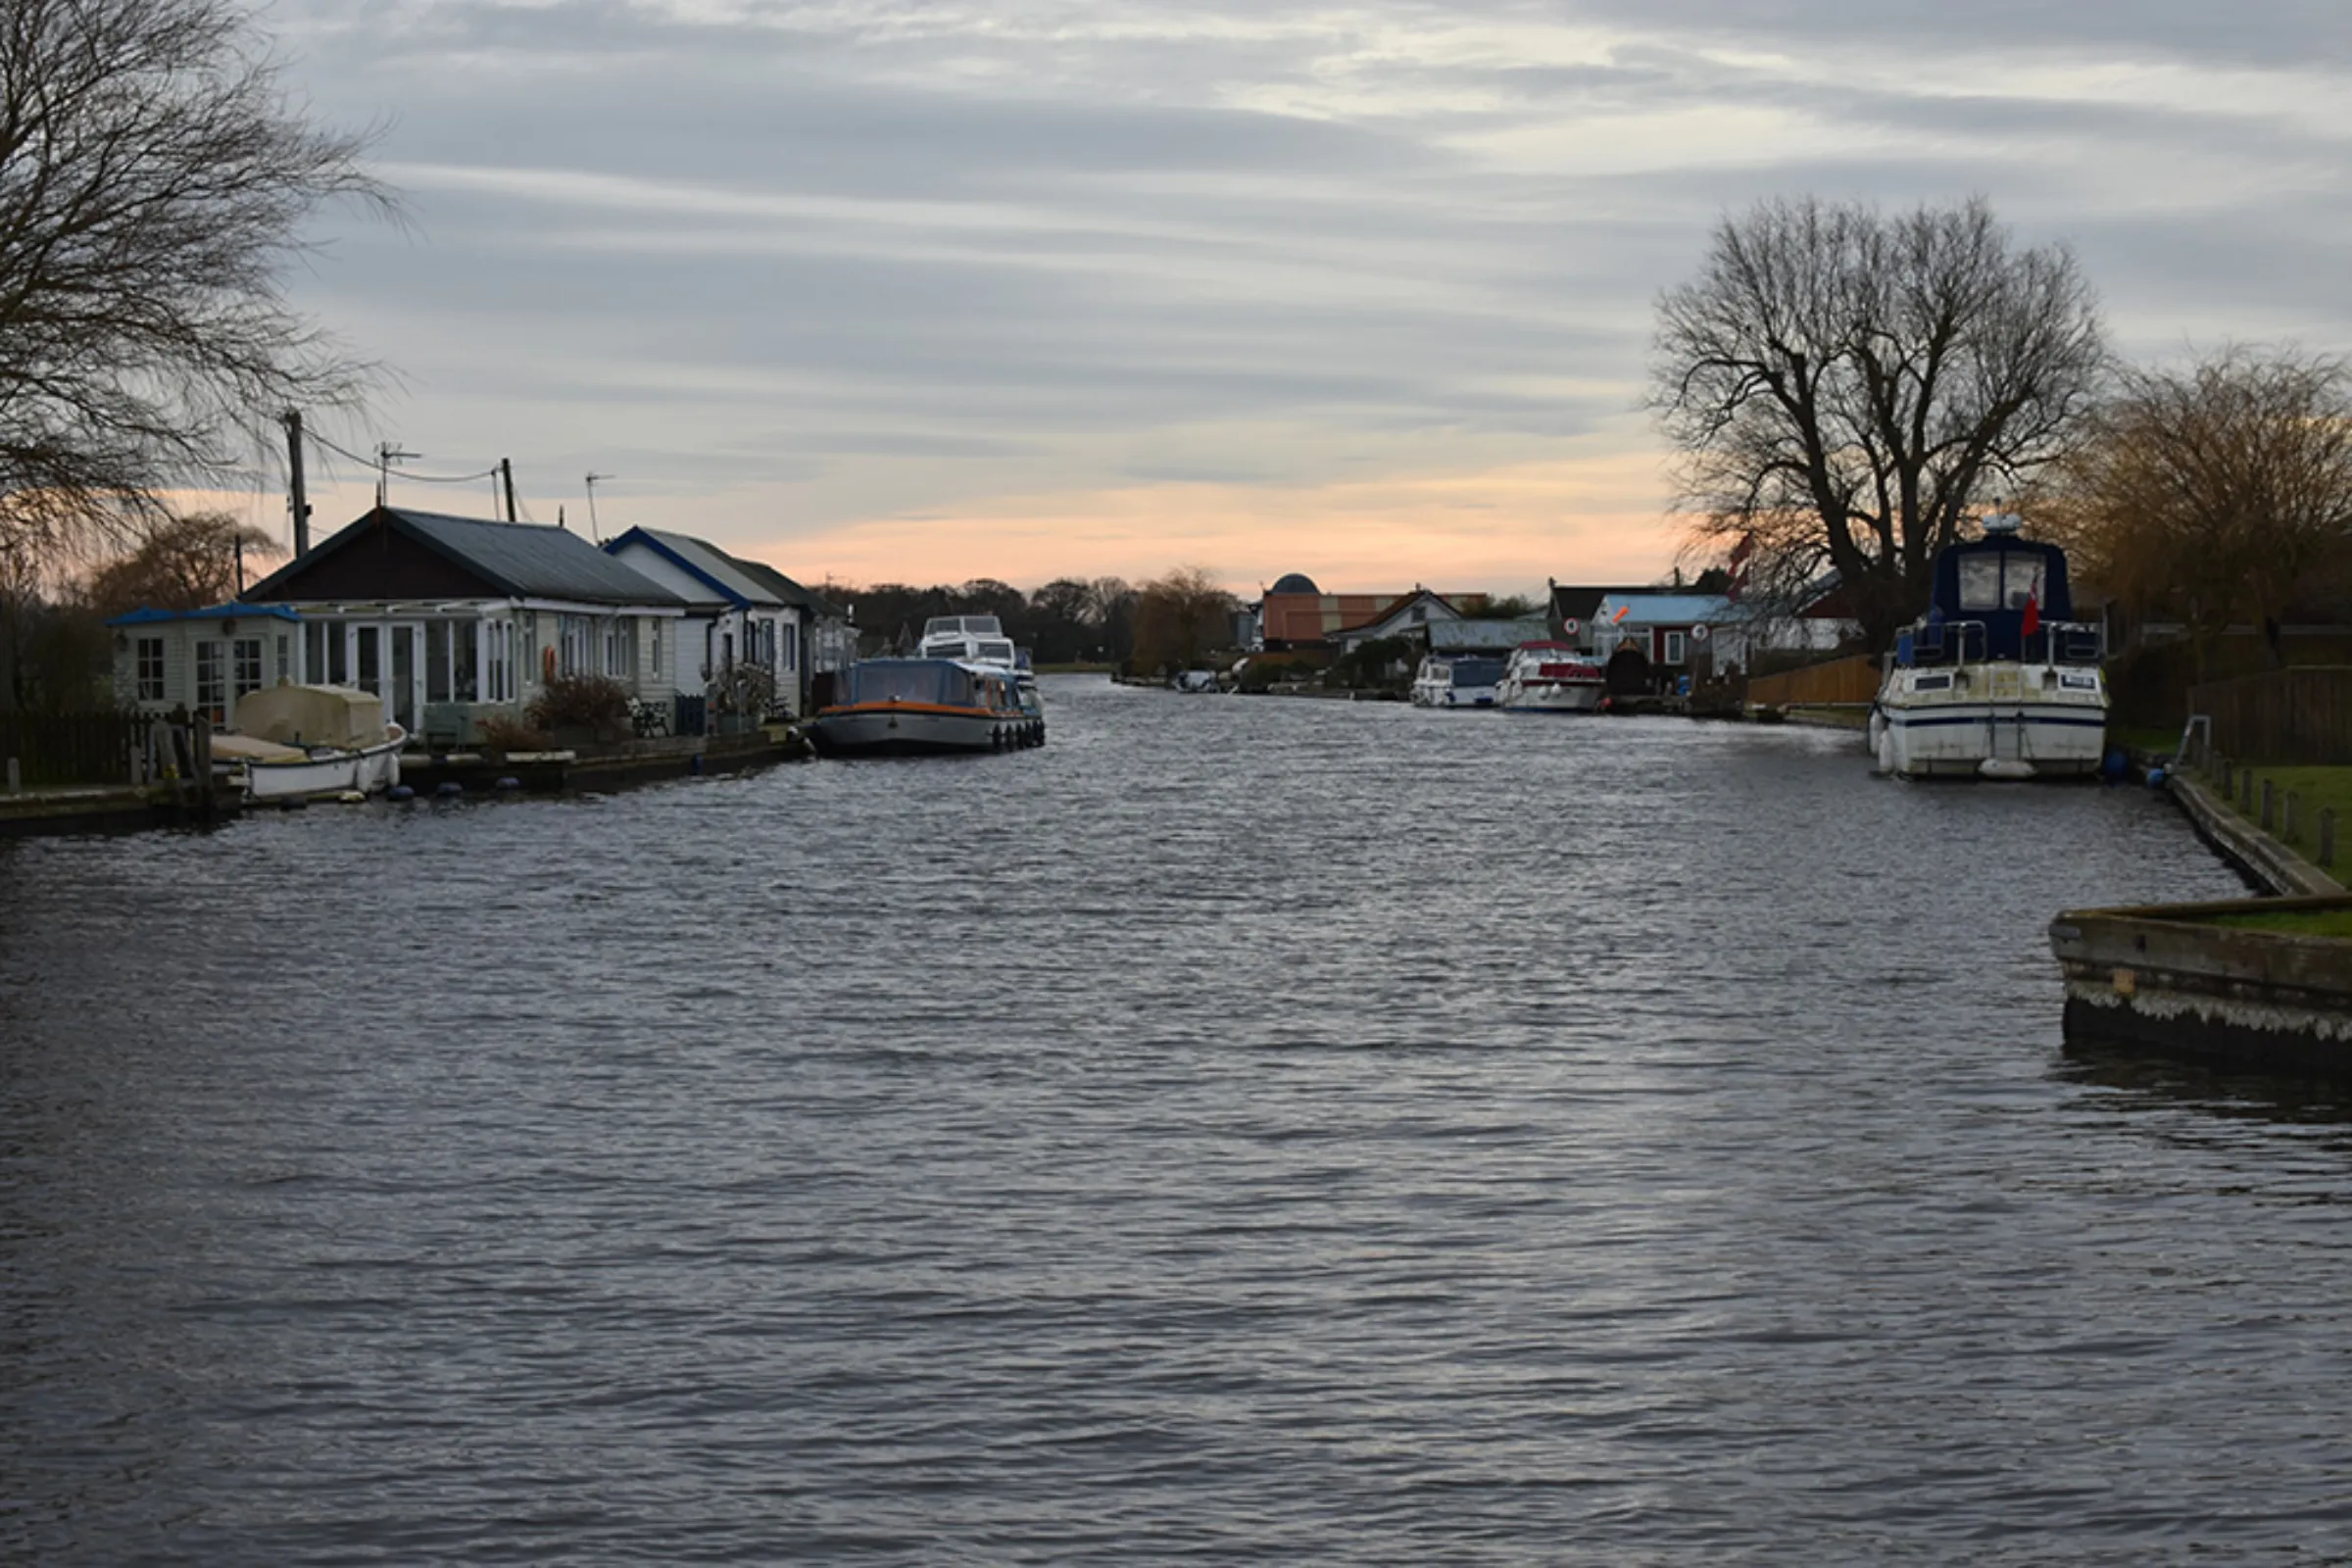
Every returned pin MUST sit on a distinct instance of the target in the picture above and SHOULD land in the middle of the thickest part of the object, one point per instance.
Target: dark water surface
(1239, 1130)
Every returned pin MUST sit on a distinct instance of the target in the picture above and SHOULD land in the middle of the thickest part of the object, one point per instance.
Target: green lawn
(2302, 923)
(2159, 740)
(2317, 788)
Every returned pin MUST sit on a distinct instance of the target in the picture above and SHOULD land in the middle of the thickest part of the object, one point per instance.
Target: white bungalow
(734, 619)
(453, 618)
(202, 660)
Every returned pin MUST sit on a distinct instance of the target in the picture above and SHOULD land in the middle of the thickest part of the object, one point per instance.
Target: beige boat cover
(253, 749)
(313, 715)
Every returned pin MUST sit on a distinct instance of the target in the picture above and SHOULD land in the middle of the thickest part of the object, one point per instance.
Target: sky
(879, 291)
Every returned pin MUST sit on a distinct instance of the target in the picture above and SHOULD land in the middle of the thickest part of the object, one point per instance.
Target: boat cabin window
(911, 682)
(996, 651)
(2001, 579)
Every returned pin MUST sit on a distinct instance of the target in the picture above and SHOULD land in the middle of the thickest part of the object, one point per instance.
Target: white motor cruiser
(1551, 677)
(1456, 680)
(1998, 681)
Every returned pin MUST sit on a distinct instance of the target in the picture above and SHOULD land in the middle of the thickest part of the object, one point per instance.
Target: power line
(404, 473)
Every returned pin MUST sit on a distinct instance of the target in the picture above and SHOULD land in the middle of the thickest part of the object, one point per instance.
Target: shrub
(583, 701)
(503, 732)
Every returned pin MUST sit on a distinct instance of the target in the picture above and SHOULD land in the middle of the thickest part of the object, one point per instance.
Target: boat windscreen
(1477, 672)
(907, 680)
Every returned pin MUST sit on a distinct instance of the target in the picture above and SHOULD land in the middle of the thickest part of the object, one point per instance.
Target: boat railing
(2066, 642)
(1941, 642)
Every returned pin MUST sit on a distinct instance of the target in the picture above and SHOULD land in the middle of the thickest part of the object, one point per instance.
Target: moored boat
(1550, 677)
(282, 772)
(1456, 680)
(908, 707)
(1997, 680)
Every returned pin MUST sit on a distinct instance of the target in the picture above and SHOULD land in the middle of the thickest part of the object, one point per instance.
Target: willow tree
(2217, 494)
(1180, 619)
(155, 175)
(1844, 387)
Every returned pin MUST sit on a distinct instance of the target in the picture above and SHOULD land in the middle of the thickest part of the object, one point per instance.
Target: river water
(1239, 1130)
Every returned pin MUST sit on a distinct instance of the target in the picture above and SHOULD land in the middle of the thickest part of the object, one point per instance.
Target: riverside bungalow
(733, 620)
(1663, 629)
(828, 637)
(1409, 615)
(202, 660)
(453, 620)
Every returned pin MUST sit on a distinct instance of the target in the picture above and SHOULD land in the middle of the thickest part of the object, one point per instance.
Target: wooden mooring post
(2270, 805)
(2327, 850)
(2290, 821)
(16, 777)
(2245, 791)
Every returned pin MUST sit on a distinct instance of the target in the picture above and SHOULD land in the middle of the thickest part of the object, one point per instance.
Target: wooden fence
(2288, 717)
(50, 750)
(1840, 680)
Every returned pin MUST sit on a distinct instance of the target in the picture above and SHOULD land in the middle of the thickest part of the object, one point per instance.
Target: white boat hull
(369, 771)
(1999, 721)
(1552, 697)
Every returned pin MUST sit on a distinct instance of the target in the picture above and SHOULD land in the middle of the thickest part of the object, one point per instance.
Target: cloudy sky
(893, 290)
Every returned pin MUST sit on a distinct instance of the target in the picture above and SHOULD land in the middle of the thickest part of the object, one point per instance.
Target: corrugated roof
(1501, 635)
(1658, 610)
(713, 563)
(531, 560)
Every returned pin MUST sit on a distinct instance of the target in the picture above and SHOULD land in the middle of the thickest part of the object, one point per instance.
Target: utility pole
(506, 471)
(297, 499)
(594, 532)
(386, 454)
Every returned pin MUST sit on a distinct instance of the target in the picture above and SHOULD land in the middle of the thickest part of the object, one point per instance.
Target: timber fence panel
(53, 750)
(2301, 715)
(1852, 680)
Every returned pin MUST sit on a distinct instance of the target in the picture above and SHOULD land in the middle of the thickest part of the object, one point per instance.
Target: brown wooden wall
(60, 749)
(2296, 717)
(1839, 681)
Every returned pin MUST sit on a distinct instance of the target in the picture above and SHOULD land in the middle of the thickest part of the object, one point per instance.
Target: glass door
(403, 698)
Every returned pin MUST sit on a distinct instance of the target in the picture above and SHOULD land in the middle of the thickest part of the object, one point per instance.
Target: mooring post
(2245, 791)
(2270, 805)
(2291, 821)
(15, 778)
(2326, 835)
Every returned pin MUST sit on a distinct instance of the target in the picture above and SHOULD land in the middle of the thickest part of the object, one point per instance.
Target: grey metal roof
(715, 564)
(530, 561)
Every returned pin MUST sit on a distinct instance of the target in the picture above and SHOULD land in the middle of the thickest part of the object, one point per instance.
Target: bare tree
(154, 176)
(1845, 386)
(1180, 618)
(2218, 495)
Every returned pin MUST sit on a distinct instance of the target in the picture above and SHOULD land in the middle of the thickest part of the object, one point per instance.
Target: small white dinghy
(312, 740)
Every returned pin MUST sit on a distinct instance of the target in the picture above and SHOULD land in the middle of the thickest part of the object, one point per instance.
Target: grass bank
(2300, 923)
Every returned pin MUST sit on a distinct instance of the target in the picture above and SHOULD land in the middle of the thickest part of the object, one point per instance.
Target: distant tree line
(1070, 620)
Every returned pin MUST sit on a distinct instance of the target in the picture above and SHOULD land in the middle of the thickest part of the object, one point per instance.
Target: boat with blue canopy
(1997, 680)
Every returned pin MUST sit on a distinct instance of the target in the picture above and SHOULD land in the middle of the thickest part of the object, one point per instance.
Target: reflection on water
(1240, 1130)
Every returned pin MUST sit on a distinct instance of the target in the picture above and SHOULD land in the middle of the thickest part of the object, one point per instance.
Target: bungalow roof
(520, 560)
(705, 562)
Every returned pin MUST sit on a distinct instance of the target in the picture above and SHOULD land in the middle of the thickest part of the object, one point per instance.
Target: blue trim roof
(144, 617)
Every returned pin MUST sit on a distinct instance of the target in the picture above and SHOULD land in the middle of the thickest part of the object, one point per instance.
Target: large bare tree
(2219, 494)
(1845, 386)
(155, 174)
